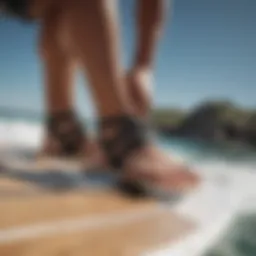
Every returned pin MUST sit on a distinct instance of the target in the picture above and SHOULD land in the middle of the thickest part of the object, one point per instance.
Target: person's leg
(94, 33)
(150, 23)
(92, 26)
(63, 129)
(59, 66)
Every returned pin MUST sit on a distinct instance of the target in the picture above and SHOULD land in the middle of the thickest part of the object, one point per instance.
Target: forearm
(150, 23)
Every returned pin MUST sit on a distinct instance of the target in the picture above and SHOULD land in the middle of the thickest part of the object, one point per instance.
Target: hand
(140, 87)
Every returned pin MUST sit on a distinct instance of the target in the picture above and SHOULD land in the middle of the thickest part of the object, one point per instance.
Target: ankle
(59, 107)
(112, 109)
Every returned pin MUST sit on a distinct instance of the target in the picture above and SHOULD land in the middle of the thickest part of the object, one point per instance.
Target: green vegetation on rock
(213, 121)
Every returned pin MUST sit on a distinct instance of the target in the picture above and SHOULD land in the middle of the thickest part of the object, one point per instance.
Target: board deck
(57, 208)
(79, 219)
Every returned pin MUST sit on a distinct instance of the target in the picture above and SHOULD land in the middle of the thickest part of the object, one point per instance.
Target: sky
(207, 52)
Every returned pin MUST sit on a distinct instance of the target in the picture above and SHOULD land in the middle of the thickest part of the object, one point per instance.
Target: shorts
(18, 8)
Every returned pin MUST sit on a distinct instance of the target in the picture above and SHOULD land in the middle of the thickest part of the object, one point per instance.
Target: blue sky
(207, 52)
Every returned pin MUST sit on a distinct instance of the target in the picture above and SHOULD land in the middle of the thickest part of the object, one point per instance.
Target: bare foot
(151, 164)
(155, 167)
(129, 148)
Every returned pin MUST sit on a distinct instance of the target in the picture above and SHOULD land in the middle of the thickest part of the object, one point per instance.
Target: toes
(184, 175)
(174, 178)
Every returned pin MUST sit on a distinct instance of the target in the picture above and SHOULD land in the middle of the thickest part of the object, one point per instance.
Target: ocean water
(240, 237)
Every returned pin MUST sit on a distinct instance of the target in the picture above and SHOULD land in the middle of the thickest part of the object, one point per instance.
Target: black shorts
(18, 8)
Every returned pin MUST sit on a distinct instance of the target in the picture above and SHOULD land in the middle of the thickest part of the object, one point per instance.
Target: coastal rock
(203, 123)
(211, 121)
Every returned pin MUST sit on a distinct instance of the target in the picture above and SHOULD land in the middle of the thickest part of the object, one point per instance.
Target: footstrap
(120, 136)
(67, 130)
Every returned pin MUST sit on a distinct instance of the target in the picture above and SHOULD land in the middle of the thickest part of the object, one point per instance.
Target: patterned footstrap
(120, 136)
(67, 130)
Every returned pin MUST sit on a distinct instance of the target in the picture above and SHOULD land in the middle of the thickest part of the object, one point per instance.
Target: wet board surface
(57, 208)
